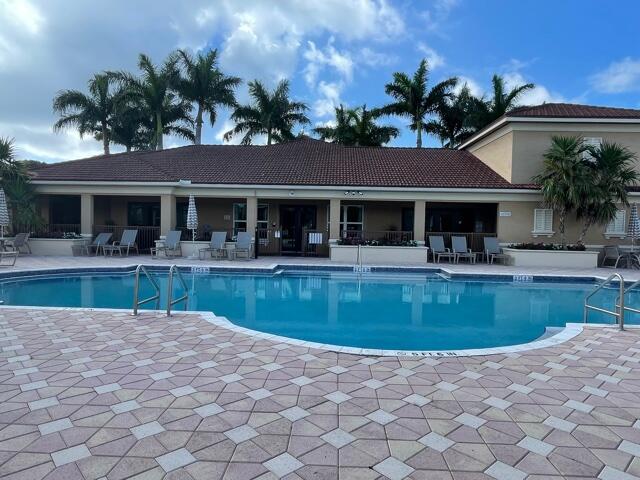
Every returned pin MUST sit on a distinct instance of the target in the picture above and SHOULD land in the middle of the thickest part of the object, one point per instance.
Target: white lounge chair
(438, 251)
(243, 245)
(126, 243)
(98, 243)
(216, 246)
(459, 247)
(170, 247)
(493, 251)
(612, 254)
(21, 240)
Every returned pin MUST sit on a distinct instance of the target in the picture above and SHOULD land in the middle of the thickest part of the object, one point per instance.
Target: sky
(332, 51)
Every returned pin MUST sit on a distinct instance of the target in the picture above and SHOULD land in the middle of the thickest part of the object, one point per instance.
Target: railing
(49, 230)
(384, 237)
(137, 303)
(315, 243)
(147, 235)
(174, 270)
(623, 305)
(619, 303)
(475, 241)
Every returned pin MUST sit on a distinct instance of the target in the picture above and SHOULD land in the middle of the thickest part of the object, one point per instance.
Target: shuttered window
(618, 225)
(594, 142)
(543, 220)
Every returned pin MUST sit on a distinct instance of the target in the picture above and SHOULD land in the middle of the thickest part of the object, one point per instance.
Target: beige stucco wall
(530, 146)
(497, 152)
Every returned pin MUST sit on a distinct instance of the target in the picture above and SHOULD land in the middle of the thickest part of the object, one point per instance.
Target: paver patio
(92, 394)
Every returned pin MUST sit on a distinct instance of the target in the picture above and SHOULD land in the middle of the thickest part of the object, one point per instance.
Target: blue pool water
(389, 311)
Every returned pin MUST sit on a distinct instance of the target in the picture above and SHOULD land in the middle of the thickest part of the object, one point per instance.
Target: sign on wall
(505, 214)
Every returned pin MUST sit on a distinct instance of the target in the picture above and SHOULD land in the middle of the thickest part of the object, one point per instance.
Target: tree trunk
(269, 137)
(198, 140)
(561, 221)
(159, 144)
(419, 135)
(105, 138)
(128, 148)
(585, 227)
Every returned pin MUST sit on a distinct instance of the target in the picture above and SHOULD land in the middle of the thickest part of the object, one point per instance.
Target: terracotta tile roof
(303, 161)
(572, 110)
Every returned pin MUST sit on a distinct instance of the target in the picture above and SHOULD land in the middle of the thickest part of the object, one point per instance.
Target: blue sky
(332, 51)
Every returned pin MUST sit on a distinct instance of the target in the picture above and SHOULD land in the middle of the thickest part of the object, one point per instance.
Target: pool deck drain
(91, 394)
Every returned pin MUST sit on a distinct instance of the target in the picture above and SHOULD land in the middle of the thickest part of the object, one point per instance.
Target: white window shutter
(618, 224)
(543, 220)
(594, 142)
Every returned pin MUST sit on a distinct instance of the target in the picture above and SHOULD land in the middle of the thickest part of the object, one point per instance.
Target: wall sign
(505, 214)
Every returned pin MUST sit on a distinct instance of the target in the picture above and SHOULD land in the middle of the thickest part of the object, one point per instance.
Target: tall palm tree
(205, 85)
(271, 113)
(154, 93)
(90, 113)
(15, 181)
(565, 179)
(412, 98)
(611, 172)
(501, 101)
(358, 127)
(451, 123)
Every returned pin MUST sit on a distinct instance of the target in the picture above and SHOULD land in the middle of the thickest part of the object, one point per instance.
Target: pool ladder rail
(620, 307)
(173, 271)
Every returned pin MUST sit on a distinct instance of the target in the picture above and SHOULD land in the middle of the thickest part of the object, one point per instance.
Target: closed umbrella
(633, 230)
(4, 213)
(192, 222)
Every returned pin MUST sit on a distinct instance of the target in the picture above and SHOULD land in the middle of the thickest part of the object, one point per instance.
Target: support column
(167, 213)
(86, 214)
(419, 219)
(334, 219)
(252, 214)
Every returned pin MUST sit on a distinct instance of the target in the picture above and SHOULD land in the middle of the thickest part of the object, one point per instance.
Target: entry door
(294, 219)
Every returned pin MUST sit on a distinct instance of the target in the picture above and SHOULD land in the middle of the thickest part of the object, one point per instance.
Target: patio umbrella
(634, 225)
(192, 222)
(4, 213)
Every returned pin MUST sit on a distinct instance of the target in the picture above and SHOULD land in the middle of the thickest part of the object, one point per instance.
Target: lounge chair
(612, 254)
(21, 240)
(126, 243)
(436, 242)
(98, 243)
(12, 256)
(216, 246)
(459, 247)
(493, 251)
(171, 246)
(243, 245)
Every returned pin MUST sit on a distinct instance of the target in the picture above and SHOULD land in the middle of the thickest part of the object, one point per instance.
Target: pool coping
(569, 331)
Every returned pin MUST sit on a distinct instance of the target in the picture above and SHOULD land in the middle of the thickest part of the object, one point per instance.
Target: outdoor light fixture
(184, 182)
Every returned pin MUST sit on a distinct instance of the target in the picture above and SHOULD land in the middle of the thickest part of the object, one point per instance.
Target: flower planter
(552, 258)
(388, 255)
(56, 246)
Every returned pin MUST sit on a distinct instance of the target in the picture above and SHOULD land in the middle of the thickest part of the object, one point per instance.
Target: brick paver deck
(93, 394)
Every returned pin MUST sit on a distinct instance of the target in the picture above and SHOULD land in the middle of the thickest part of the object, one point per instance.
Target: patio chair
(436, 243)
(612, 254)
(21, 240)
(170, 247)
(459, 247)
(493, 251)
(126, 243)
(216, 246)
(98, 243)
(12, 256)
(243, 245)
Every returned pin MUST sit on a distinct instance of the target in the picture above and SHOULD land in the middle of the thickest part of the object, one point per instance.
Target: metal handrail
(170, 301)
(136, 290)
(619, 303)
(627, 290)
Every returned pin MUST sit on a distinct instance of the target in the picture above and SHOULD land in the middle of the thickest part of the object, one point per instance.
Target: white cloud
(618, 77)
(539, 94)
(474, 87)
(371, 58)
(329, 98)
(434, 58)
(317, 59)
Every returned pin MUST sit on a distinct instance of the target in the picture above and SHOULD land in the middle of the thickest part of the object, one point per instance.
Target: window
(351, 218)
(543, 221)
(617, 226)
(64, 209)
(590, 142)
(240, 217)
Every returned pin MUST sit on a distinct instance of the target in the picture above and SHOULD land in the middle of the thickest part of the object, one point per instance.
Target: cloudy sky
(333, 51)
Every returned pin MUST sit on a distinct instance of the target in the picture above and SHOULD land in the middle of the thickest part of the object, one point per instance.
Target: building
(288, 191)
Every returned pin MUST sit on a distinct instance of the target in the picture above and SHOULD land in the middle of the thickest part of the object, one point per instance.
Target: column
(252, 214)
(86, 214)
(167, 213)
(334, 219)
(419, 218)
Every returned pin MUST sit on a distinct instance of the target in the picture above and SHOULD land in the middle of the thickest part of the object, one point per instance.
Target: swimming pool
(394, 311)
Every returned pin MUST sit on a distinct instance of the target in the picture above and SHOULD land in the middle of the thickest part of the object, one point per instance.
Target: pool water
(388, 311)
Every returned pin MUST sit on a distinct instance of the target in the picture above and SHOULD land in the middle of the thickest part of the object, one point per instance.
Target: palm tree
(90, 114)
(357, 127)
(486, 111)
(272, 113)
(17, 186)
(451, 123)
(611, 172)
(564, 180)
(205, 85)
(413, 100)
(154, 93)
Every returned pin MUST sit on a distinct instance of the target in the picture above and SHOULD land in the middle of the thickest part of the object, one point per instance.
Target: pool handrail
(136, 290)
(170, 300)
(619, 303)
